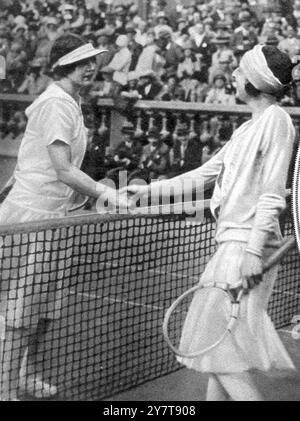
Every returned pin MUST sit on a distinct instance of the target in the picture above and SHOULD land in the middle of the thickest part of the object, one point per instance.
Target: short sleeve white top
(55, 115)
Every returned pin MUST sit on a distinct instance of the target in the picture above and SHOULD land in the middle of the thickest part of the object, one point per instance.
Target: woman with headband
(250, 174)
(47, 174)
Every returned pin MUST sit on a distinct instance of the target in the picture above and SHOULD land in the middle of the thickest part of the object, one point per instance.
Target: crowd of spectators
(184, 54)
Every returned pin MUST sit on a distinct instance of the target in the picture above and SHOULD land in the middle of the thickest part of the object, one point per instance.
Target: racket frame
(235, 294)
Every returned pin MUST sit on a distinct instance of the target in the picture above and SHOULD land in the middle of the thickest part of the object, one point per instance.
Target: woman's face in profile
(239, 81)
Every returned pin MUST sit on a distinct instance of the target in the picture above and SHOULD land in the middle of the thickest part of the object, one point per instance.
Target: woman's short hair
(281, 66)
(62, 46)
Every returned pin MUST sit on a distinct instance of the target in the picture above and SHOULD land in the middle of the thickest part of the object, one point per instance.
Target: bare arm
(67, 173)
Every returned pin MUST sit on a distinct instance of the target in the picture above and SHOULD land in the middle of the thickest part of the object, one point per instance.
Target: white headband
(80, 53)
(255, 67)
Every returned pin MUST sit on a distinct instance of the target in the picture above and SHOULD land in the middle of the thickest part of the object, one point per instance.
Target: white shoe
(36, 387)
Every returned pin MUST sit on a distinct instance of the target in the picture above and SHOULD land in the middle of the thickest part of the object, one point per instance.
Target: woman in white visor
(250, 174)
(47, 174)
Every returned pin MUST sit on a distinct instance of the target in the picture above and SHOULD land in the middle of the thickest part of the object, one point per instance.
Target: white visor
(81, 53)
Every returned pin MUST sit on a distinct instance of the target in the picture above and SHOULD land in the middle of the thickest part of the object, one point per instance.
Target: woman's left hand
(251, 271)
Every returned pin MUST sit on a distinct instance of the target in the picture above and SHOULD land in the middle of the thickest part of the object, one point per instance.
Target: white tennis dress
(251, 172)
(36, 195)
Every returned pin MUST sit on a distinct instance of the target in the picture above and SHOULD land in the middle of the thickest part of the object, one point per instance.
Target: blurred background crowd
(184, 53)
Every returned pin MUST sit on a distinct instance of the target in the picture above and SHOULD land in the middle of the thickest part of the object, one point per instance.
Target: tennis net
(107, 281)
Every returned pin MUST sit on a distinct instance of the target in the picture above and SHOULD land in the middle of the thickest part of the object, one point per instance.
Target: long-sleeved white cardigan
(250, 173)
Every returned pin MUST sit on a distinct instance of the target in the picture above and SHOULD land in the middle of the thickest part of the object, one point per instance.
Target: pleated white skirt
(254, 342)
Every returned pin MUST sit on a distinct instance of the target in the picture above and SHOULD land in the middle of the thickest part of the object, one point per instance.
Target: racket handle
(276, 257)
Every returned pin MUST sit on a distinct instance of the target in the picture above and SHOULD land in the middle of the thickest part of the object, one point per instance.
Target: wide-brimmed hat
(221, 39)
(165, 33)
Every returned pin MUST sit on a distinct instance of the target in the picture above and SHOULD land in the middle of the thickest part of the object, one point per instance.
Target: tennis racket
(211, 296)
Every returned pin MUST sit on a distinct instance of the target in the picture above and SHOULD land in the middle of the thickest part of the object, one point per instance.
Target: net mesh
(105, 284)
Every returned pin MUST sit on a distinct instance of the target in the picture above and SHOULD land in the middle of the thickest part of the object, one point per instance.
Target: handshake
(122, 201)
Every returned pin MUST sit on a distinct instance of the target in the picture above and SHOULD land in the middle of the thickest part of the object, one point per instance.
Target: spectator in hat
(106, 87)
(110, 22)
(80, 16)
(4, 44)
(202, 44)
(141, 33)
(218, 94)
(185, 154)
(181, 34)
(36, 80)
(224, 66)
(149, 88)
(162, 24)
(87, 27)
(189, 85)
(131, 89)
(51, 29)
(222, 29)
(291, 44)
(222, 45)
(241, 49)
(120, 20)
(16, 63)
(121, 60)
(201, 88)
(189, 63)
(171, 51)
(134, 47)
(103, 42)
(20, 34)
(272, 29)
(218, 12)
(127, 155)
(244, 31)
(172, 90)
(155, 157)
(151, 57)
